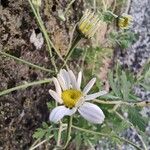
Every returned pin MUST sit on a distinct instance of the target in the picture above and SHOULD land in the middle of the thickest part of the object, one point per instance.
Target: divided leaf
(137, 119)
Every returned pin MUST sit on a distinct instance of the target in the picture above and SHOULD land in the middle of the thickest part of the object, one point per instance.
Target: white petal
(89, 86)
(79, 80)
(92, 113)
(59, 112)
(95, 95)
(57, 86)
(55, 96)
(61, 82)
(73, 79)
(66, 77)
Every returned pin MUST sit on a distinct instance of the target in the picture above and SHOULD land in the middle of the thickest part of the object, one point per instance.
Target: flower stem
(41, 24)
(42, 142)
(48, 41)
(106, 135)
(26, 62)
(37, 16)
(69, 5)
(134, 128)
(131, 104)
(24, 86)
(59, 134)
(68, 131)
(74, 44)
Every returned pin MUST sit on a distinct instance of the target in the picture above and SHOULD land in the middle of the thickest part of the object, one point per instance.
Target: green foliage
(107, 17)
(144, 80)
(121, 85)
(126, 86)
(50, 105)
(137, 119)
(123, 38)
(94, 59)
(43, 132)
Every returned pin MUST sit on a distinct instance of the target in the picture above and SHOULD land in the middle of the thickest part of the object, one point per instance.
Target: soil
(22, 111)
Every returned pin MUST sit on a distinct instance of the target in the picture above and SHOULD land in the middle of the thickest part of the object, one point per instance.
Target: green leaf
(45, 125)
(125, 86)
(39, 133)
(147, 87)
(137, 119)
(113, 84)
(78, 140)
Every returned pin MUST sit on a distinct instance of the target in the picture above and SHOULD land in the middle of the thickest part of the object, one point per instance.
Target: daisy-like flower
(69, 94)
(124, 21)
(89, 24)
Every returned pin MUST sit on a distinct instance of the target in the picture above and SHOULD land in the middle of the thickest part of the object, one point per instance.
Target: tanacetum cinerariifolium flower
(89, 24)
(124, 21)
(69, 94)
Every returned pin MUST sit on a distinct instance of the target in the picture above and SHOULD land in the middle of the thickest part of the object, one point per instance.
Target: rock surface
(136, 56)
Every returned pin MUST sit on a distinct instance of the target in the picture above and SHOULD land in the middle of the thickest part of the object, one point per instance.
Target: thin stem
(26, 62)
(114, 6)
(37, 16)
(138, 104)
(114, 15)
(68, 7)
(68, 131)
(106, 135)
(34, 147)
(71, 37)
(124, 119)
(94, 63)
(74, 44)
(104, 5)
(41, 24)
(83, 58)
(59, 134)
(35, 142)
(24, 86)
(94, 5)
(48, 41)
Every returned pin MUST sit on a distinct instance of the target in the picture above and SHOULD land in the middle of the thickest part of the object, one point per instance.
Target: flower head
(124, 21)
(37, 2)
(69, 94)
(89, 24)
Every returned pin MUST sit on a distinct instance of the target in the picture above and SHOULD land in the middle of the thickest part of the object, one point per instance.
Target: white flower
(69, 94)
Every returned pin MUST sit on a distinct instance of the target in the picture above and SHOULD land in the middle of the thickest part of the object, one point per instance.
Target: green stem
(68, 132)
(69, 5)
(59, 134)
(74, 44)
(128, 122)
(37, 16)
(106, 135)
(114, 15)
(25, 62)
(24, 86)
(131, 104)
(42, 142)
(41, 24)
(48, 41)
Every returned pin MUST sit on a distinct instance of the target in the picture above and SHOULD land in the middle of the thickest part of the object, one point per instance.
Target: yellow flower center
(124, 22)
(71, 97)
